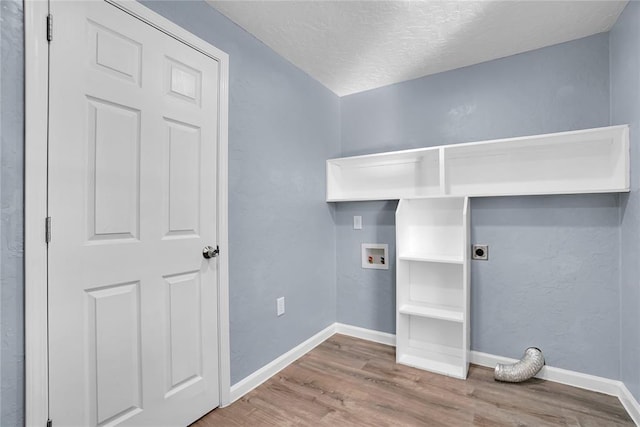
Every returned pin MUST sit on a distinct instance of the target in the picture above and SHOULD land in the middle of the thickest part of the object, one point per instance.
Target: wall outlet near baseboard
(280, 306)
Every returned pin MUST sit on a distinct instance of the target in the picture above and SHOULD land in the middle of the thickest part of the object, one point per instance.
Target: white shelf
(584, 161)
(434, 312)
(432, 258)
(362, 198)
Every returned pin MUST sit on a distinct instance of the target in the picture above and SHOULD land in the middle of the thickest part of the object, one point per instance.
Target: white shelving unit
(432, 286)
(432, 220)
(584, 161)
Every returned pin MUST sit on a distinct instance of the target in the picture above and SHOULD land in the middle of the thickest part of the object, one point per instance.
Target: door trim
(35, 210)
(35, 251)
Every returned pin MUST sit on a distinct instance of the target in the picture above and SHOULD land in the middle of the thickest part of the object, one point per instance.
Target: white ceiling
(353, 46)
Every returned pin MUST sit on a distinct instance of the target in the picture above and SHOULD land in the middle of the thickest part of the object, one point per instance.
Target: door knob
(210, 252)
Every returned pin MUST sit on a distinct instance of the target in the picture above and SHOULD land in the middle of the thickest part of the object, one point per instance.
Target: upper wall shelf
(584, 161)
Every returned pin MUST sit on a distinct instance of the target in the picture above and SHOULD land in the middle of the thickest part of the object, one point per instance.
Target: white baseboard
(244, 386)
(549, 373)
(366, 334)
(557, 375)
(630, 403)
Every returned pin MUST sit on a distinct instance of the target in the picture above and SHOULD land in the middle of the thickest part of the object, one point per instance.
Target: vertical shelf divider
(443, 171)
(466, 283)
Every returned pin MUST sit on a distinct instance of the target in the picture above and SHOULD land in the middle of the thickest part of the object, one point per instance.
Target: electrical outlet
(480, 252)
(280, 306)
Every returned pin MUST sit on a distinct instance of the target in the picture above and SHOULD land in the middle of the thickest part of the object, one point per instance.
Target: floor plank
(351, 382)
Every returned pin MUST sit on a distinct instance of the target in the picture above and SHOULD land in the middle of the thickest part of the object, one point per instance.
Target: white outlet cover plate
(280, 306)
(357, 222)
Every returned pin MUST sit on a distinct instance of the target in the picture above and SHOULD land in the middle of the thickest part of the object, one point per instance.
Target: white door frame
(35, 251)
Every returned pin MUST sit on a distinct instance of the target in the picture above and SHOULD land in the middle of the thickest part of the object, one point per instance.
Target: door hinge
(49, 27)
(47, 229)
(49, 423)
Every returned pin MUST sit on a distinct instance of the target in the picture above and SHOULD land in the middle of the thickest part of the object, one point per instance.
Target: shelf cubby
(383, 177)
(431, 229)
(432, 344)
(568, 162)
(431, 283)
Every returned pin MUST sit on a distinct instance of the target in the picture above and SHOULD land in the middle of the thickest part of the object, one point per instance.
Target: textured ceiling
(353, 46)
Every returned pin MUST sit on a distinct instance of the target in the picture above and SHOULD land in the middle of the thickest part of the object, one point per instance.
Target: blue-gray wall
(625, 108)
(552, 278)
(562, 87)
(11, 214)
(366, 298)
(283, 125)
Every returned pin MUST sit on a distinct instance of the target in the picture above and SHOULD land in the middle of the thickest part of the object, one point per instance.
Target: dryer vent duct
(522, 370)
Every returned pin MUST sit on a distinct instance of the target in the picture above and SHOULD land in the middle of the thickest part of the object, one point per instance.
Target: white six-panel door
(132, 197)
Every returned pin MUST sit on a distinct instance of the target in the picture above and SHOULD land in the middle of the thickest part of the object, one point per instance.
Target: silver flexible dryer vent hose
(522, 370)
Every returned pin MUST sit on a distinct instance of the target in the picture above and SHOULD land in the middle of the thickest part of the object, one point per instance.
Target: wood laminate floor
(351, 382)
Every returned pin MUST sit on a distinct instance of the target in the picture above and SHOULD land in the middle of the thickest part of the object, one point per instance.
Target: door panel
(113, 144)
(114, 346)
(182, 173)
(115, 53)
(184, 338)
(133, 327)
(183, 81)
